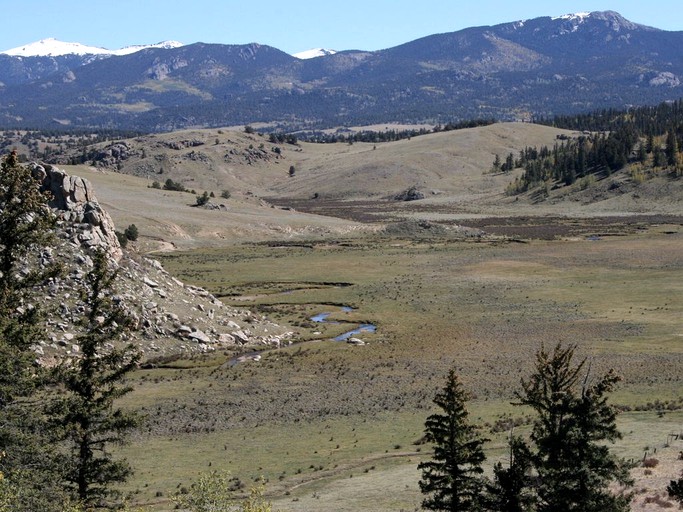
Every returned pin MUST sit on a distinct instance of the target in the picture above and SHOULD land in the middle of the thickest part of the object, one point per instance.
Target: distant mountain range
(517, 70)
(51, 47)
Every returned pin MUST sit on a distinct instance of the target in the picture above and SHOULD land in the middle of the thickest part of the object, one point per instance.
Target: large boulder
(412, 194)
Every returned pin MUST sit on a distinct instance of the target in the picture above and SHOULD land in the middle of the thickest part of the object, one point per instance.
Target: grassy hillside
(356, 182)
(446, 162)
(170, 220)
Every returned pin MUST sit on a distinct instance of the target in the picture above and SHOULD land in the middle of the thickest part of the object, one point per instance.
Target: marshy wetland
(333, 426)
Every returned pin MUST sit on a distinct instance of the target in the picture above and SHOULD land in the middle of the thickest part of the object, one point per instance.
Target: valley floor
(333, 426)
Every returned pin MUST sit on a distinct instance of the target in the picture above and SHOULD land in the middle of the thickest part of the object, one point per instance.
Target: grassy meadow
(335, 427)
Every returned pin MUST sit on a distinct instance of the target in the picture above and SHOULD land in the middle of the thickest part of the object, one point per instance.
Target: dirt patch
(666, 464)
(544, 228)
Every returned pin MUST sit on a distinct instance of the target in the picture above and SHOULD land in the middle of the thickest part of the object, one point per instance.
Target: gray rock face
(199, 336)
(169, 317)
(412, 194)
(83, 219)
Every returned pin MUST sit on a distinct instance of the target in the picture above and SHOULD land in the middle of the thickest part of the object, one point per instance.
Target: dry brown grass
(351, 181)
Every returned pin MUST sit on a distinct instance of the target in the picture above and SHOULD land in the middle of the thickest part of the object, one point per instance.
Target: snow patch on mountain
(313, 53)
(166, 45)
(52, 47)
(577, 16)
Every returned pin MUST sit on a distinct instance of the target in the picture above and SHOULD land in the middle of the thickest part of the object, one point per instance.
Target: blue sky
(289, 25)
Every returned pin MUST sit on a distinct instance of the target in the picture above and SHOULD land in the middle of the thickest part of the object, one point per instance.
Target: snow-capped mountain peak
(167, 45)
(52, 47)
(577, 16)
(615, 21)
(313, 53)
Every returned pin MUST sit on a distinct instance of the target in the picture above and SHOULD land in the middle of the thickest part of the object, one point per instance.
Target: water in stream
(322, 318)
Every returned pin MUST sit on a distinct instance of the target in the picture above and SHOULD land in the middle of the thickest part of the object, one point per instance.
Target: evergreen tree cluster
(373, 136)
(652, 136)
(565, 465)
(645, 120)
(282, 138)
(571, 159)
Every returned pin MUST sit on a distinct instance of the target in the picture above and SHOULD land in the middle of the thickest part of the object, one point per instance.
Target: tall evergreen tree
(671, 148)
(26, 224)
(496, 164)
(86, 415)
(658, 157)
(574, 421)
(452, 479)
(642, 153)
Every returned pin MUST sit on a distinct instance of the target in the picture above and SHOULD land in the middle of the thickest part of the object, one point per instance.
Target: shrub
(675, 490)
(131, 233)
(203, 199)
(225, 194)
(169, 184)
(587, 181)
(650, 462)
(123, 239)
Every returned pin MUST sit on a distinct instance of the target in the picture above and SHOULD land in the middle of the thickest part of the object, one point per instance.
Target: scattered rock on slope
(170, 317)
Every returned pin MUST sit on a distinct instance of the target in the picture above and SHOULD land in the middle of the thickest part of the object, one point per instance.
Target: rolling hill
(348, 188)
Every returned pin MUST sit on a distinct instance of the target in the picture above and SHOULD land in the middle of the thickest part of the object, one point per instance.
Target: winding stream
(319, 318)
(322, 318)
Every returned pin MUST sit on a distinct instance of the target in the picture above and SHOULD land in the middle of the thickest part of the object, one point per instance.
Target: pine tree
(88, 419)
(26, 224)
(642, 153)
(671, 148)
(511, 488)
(452, 479)
(496, 164)
(574, 422)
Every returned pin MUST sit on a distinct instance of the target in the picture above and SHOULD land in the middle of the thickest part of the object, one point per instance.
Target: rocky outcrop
(169, 317)
(182, 144)
(412, 194)
(82, 218)
(113, 154)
